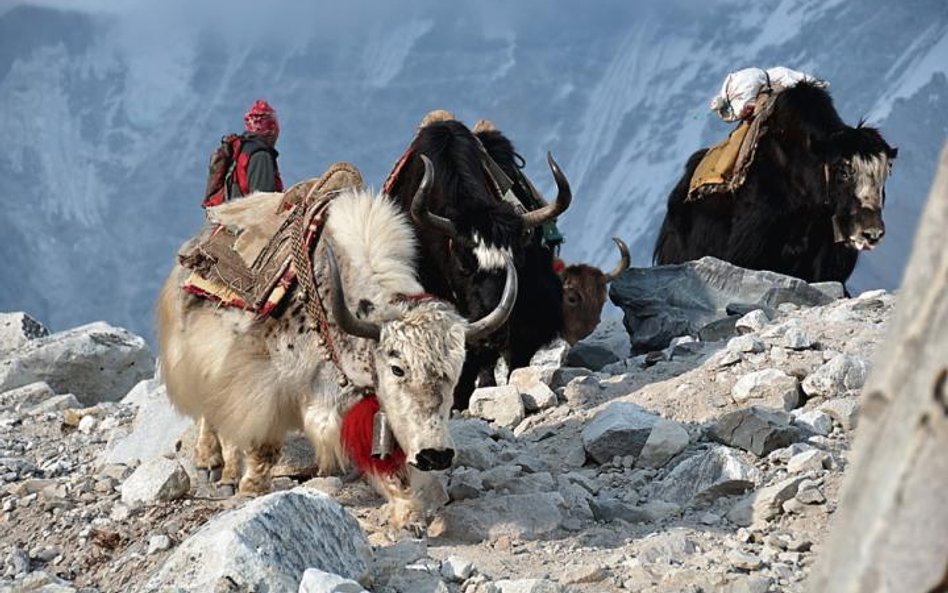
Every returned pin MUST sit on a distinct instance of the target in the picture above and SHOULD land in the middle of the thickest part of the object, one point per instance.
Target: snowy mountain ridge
(110, 125)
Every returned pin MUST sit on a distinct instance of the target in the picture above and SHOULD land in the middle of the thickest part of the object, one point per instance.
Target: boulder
(502, 405)
(319, 581)
(843, 373)
(16, 329)
(155, 480)
(156, 429)
(662, 302)
(667, 439)
(267, 545)
(755, 429)
(771, 388)
(708, 475)
(621, 428)
(96, 362)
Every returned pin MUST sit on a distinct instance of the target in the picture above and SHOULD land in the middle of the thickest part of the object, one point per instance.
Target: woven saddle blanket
(724, 167)
(243, 257)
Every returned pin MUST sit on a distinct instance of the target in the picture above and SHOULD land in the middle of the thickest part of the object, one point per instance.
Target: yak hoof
(214, 474)
(225, 490)
(253, 487)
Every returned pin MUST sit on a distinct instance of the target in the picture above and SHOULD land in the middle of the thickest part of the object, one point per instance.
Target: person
(738, 96)
(256, 167)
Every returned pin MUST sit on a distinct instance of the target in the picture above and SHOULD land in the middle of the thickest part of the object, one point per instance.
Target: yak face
(857, 177)
(417, 363)
(584, 294)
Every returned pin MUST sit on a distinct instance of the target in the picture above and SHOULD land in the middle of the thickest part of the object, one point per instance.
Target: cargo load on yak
(246, 254)
(746, 96)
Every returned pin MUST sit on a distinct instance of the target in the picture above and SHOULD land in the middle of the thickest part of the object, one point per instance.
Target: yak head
(857, 163)
(584, 294)
(419, 349)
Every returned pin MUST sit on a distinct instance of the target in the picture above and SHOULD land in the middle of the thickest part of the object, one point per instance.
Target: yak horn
(344, 318)
(564, 196)
(419, 204)
(490, 322)
(624, 260)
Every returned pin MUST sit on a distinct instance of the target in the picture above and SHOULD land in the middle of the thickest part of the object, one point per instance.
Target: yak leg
(323, 427)
(231, 472)
(406, 510)
(207, 451)
(259, 461)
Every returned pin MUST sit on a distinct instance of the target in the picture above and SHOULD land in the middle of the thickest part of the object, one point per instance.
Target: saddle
(724, 167)
(243, 257)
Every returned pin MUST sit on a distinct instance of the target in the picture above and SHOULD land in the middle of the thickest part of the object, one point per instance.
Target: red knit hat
(262, 119)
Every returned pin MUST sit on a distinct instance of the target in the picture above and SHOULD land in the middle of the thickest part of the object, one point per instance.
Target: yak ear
(893, 153)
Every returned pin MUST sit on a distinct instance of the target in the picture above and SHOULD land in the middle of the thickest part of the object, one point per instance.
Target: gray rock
(754, 429)
(608, 509)
(724, 358)
(473, 445)
(813, 460)
(551, 355)
(764, 504)
(155, 480)
(796, 338)
(590, 356)
(456, 569)
(744, 561)
(16, 329)
(27, 396)
(719, 329)
(834, 290)
(843, 410)
(771, 388)
(667, 439)
(319, 581)
(502, 405)
(525, 516)
(156, 430)
(752, 322)
(745, 343)
(662, 302)
(56, 403)
(465, 483)
(562, 376)
(392, 559)
(38, 581)
(96, 362)
(842, 373)
(809, 493)
(814, 421)
(582, 391)
(669, 547)
(267, 544)
(749, 584)
(533, 385)
(158, 543)
(621, 428)
(528, 586)
(708, 475)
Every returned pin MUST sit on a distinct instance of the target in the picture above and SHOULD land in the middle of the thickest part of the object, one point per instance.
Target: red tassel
(357, 440)
(558, 266)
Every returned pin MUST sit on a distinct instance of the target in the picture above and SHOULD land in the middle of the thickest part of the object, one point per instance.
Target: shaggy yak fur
(251, 381)
(812, 199)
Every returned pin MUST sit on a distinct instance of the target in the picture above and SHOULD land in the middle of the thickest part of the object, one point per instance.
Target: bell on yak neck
(382, 437)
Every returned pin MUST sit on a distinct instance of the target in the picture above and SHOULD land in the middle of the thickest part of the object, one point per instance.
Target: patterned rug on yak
(244, 256)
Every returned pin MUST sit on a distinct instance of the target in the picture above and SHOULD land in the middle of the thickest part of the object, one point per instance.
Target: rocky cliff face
(710, 465)
(109, 126)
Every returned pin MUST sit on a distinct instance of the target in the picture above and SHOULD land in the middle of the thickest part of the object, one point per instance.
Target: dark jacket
(263, 174)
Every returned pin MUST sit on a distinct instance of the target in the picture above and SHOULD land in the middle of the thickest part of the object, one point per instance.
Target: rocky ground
(708, 465)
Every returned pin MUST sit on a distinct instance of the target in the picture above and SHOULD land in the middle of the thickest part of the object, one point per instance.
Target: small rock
(708, 475)
(590, 356)
(797, 339)
(768, 387)
(667, 439)
(329, 485)
(27, 396)
(158, 543)
(535, 392)
(551, 355)
(813, 460)
(19, 560)
(843, 373)
(809, 493)
(752, 322)
(844, 410)
(57, 403)
(155, 480)
(608, 510)
(465, 483)
(744, 561)
(584, 574)
(318, 581)
(814, 421)
(724, 358)
(793, 506)
(456, 569)
(755, 429)
(501, 405)
(528, 586)
(745, 343)
(562, 376)
(749, 584)
(834, 290)
(87, 424)
(621, 428)
(764, 504)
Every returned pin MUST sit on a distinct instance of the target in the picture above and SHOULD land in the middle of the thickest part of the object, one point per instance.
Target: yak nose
(434, 459)
(873, 235)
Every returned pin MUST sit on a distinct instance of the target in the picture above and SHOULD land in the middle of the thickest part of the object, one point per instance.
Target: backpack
(219, 169)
